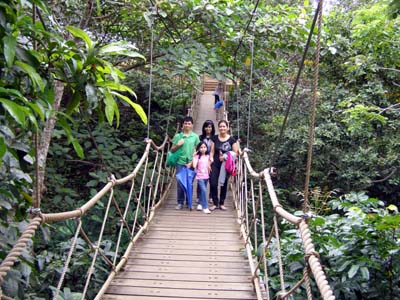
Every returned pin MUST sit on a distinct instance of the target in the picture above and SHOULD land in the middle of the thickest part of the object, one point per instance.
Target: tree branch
(394, 169)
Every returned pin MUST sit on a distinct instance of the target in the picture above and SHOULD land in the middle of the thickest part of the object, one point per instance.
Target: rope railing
(154, 186)
(250, 201)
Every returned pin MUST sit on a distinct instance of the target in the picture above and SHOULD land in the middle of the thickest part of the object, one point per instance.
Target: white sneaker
(199, 207)
(206, 211)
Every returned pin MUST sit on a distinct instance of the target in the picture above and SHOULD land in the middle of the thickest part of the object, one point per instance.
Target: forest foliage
(74, 90)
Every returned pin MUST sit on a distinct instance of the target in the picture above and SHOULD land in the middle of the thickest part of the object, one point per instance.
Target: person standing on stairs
(187, 142)
(222, 143)
(218, 92)
(202, 166)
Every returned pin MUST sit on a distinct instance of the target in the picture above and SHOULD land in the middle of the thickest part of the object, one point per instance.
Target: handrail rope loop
(311, 133)
(68, 260)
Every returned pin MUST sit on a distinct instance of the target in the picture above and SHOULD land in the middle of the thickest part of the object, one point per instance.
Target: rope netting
(149, 185)
(252, 191)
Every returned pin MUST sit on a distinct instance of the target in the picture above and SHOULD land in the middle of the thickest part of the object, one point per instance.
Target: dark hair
(188, 119)
(198, 148)
(203, 129)
(223, 121)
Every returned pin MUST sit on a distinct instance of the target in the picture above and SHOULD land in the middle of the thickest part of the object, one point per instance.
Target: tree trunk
(45, 139)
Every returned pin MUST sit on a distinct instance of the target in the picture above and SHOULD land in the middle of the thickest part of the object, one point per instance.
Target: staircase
(209, 84)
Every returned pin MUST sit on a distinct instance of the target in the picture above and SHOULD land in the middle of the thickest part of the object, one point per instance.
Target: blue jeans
(202, 184)
(180, 191)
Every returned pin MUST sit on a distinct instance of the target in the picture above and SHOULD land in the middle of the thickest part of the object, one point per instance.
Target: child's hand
(221, 156)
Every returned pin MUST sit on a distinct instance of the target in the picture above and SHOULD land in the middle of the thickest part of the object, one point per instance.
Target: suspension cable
(253, 13)
(251, 84)
(238, 96)
(273, 155)
(151, 73)
(306, 205)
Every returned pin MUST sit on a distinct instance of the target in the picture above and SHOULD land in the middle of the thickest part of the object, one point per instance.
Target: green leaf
(364, 273)
(78, 148)
(80, 34)
(353, 271)
(116, 111)
(116, 86)
(10, 45)
(35, 107)
(120, 48)
(344, 266)
(139, 110)
(393, 208)
(74, 103)
(33, 75)
(15, 111)
(3, 149)
(110, 109)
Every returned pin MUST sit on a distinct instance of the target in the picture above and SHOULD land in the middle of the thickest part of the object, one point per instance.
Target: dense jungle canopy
(74, 93)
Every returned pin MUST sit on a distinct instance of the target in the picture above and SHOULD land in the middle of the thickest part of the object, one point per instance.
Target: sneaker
(206, 211)
(199, 207)
(222, 207)
(179, 206)
(213, 207)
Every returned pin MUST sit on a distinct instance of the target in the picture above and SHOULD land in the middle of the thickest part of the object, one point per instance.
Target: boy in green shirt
(187, 142)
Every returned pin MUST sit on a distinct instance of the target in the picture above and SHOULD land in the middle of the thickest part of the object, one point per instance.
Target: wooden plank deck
(187, 255)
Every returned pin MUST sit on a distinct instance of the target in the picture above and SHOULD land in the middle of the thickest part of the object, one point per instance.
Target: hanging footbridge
(160, 253)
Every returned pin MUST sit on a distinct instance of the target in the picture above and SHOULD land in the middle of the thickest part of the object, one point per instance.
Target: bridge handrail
(41, 218)
(246, 199)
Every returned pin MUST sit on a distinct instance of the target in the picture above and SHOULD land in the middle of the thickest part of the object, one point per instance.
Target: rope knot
(112, 179)
(34, 211)
(309, 254)
(308, 215)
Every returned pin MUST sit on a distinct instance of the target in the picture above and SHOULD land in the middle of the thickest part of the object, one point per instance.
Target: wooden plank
(170, 262)
(172, 244)
(200, 228)
(140, 297)
(185, 254)
(190, 236)
(238, 278)
(168, 292)
(174, 284)
(182, 270)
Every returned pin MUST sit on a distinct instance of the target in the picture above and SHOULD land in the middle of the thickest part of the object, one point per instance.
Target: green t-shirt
(187, 149)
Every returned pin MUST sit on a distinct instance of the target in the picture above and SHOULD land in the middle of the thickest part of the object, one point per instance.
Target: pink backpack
(230, 166)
